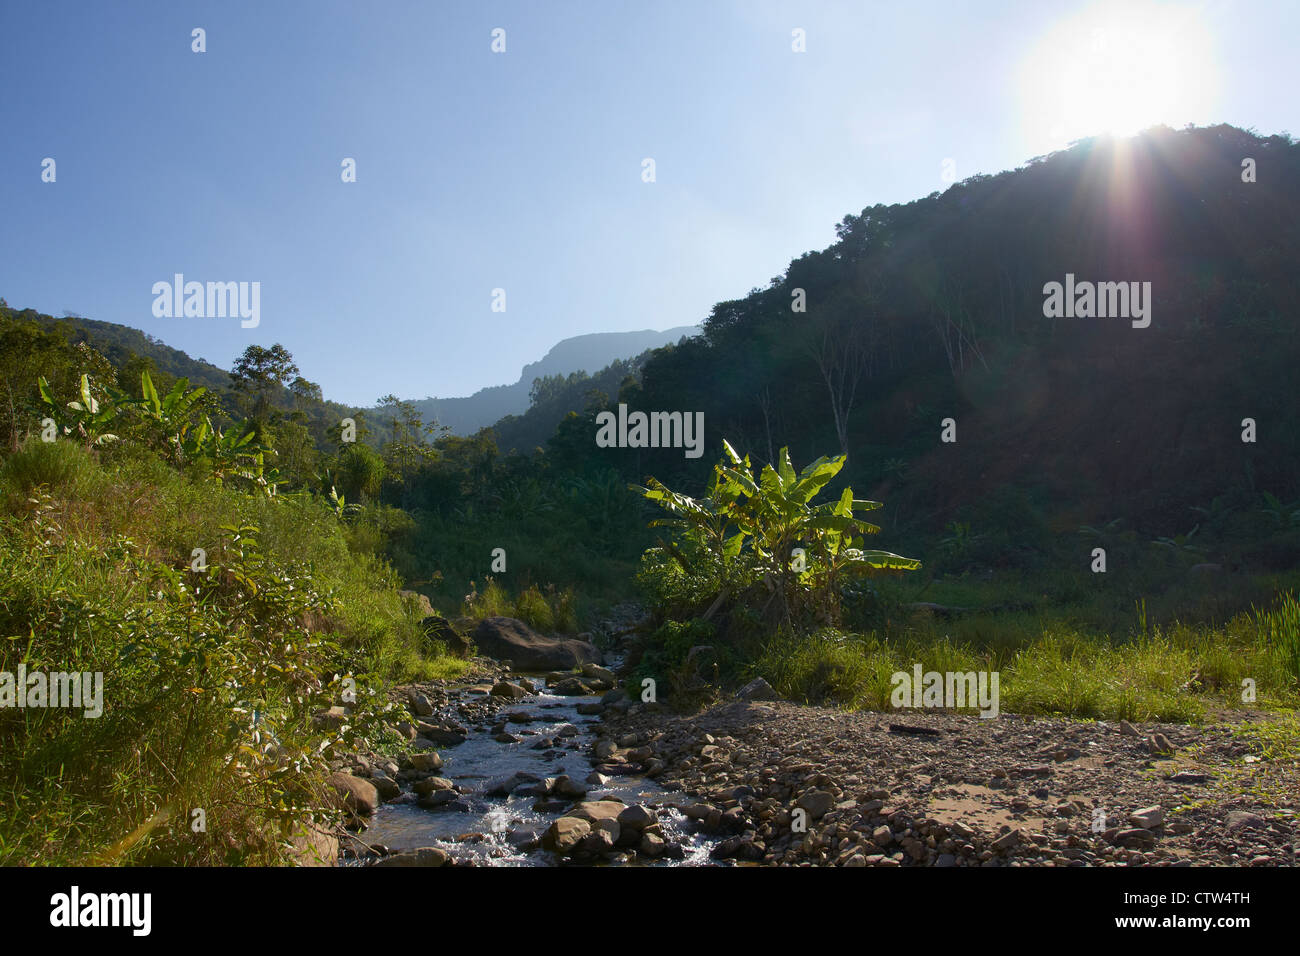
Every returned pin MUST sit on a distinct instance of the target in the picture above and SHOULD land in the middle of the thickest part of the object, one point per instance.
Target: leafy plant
(87, 417)
(741, 537)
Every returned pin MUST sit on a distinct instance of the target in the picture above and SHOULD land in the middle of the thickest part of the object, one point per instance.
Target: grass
(211, 676)
(1052, 664)
(549, 611)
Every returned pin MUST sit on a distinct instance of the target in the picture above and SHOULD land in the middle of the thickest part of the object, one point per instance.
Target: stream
(494, 830)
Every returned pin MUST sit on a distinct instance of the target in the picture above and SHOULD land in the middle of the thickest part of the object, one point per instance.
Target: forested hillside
(914, 361)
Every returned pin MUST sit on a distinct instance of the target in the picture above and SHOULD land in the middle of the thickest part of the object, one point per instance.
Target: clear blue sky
(522, 170)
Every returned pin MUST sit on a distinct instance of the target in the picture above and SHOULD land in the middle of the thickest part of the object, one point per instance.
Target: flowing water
(488, 829)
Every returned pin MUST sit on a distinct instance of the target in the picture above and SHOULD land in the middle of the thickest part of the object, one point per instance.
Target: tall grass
(211, 676)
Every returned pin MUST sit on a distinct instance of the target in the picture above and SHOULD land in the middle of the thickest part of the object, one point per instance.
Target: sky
(523, 170)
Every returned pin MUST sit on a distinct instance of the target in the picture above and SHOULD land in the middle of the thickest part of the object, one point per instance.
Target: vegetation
(227, 547)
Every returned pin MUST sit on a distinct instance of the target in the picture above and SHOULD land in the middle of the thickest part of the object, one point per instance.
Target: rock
(652, 845)
(1128, 730)
(438, 628)
(1243, 818)
(525, 839)
(566, 786)
(1147, 819)
(432, 784)
(420, 704)
(443, 735)
(330, 720)
(1160, 744)
(1006, 841)
(427, 760)
(505, 638)
(564, 834)
(591, 709)
(598, 672)
(504, 688)
(1189, 776)
(596, 810)
(615, 696)
(1136, 838)
(504, 786)
(817, 802)
(387, 787)
(1204, 570)
(421, 856)
(636, 818)
(757, 689)
(359, 796)
(314, 847)
(571, 687)
(421, 602)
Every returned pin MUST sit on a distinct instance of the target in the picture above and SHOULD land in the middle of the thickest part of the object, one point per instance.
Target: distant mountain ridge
(580, 353)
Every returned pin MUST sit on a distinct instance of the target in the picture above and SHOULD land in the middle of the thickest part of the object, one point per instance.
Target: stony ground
(797, 785)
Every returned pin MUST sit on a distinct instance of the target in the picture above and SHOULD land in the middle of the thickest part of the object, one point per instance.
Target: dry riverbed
(941, 789)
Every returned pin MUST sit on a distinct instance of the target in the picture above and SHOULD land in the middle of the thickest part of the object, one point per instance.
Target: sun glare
(1118, 68)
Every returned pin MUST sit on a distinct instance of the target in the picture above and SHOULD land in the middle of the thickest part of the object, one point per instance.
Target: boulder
(571, 687)
(428, 760)
(421, 602)
(438, 628)
(505, 638)
(596, 810)
(565, 834)
(758, 689)
(421, 856)
(359, 796)
(503, 688)
(314, 846)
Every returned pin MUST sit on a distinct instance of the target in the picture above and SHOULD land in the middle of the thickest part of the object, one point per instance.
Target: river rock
(427, 760)
(595, 810)
(359, 796)
(504, 688)
(571, 687)
(421, 856)
(564, 834)
(598, 672)
(636, 818)
(506, 638)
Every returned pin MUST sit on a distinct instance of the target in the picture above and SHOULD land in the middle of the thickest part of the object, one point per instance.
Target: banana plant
(748, 529)
(342, 510)
(87, 417)
(173, 414)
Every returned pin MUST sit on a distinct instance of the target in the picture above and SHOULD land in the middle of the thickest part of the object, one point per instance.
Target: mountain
(1177, 415)
(119, 342)
(581, 353)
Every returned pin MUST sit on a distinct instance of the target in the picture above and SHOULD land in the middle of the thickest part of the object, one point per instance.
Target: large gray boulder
(507, 639)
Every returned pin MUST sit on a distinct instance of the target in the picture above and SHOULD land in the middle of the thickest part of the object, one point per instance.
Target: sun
(1117, 68)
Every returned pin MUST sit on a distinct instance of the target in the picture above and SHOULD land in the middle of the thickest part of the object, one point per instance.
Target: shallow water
(491, 820)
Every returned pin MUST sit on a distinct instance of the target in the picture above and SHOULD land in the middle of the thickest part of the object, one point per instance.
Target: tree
(305, 392)
(258, 374)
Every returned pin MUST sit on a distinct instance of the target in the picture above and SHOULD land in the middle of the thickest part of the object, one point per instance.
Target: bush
(62, 466)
